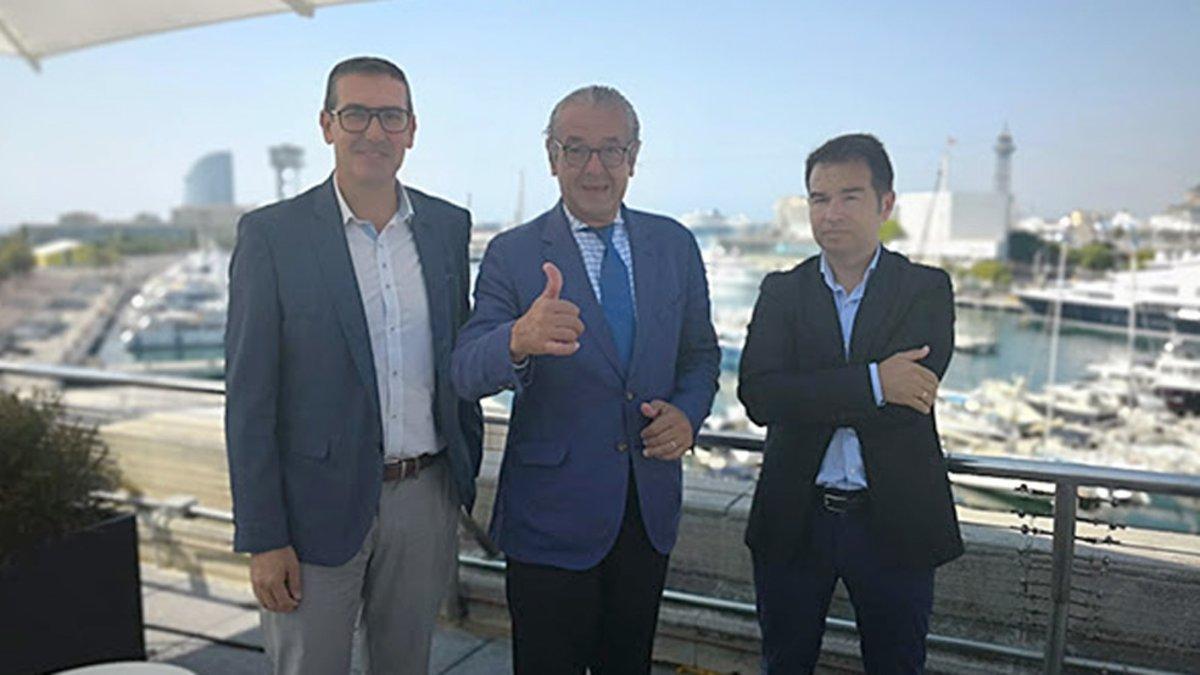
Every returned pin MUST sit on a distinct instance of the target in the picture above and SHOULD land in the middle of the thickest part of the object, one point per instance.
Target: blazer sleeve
(469, 413)
(698, 364)
(933, 313)
(481, 365)
(770, 386)
(252, 389)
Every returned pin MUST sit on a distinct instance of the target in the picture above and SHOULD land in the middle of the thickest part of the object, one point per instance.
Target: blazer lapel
(878, 299)
(821, 314)
(432, 254)
(560, 248)
(648, 281)
(328, 235)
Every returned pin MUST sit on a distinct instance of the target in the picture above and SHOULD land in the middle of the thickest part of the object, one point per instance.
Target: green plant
(994, 272)
(49, 469)
(15, 256)
(1096, 256)
(891, 231)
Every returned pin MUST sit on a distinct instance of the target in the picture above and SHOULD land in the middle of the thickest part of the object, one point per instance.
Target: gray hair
(597, 95)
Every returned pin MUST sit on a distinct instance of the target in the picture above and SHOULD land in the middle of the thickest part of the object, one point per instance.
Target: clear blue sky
(1102, 97)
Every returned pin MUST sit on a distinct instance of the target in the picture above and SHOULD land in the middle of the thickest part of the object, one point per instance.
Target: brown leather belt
(841, 501)
(409, 467)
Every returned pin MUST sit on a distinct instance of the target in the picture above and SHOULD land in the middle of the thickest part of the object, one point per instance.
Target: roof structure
(36, 29)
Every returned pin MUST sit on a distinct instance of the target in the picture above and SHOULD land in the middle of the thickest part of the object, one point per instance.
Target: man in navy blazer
(842, 363)
(598, 317)
(349, 453)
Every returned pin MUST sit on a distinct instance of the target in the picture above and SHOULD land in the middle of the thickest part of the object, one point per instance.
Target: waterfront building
(89, 228)
(57, 253)
(210, 181)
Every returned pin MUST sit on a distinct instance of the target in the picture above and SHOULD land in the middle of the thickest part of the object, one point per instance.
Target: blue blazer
(303, 428)
(574, 431)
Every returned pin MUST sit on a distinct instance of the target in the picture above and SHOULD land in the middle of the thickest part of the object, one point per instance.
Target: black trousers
(892, 599)
(602, 619)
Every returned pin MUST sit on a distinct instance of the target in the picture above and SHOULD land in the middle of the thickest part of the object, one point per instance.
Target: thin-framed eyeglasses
(355, 119)
(578, 155)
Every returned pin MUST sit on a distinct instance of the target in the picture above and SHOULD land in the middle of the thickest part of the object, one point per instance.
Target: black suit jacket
(796, 380)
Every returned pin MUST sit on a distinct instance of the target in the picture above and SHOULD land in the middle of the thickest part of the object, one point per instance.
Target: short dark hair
(364, 65)
(855, 148)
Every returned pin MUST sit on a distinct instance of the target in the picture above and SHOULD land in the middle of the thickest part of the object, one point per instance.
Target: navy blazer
(575, 423)
(796, 380)
(303, 427)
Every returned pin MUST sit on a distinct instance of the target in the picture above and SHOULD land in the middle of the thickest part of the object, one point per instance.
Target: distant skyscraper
(210, 182)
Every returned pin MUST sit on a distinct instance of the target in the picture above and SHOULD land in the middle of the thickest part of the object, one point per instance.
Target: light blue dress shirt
(591, 248)
(842, 467)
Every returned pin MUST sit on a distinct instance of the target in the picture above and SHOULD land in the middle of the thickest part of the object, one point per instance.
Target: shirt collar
(404, 209)
(578, 225)
(831, 280)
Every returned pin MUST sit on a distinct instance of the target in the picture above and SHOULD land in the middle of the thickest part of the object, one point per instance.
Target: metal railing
(1067, 479)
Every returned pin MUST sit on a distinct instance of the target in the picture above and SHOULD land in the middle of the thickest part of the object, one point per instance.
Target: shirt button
(629, 396)
(622, 446)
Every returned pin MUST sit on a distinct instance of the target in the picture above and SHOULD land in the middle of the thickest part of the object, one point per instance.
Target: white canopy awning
(35, 29)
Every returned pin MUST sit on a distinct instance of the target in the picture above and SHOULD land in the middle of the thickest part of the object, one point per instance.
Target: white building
(951, 225)
(962, 225)
(791, 218)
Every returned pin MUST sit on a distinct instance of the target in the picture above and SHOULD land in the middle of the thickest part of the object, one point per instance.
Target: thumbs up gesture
(550, 326)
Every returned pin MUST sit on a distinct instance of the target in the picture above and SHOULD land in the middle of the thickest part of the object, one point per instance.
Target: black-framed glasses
(578, 155)
(355, 119)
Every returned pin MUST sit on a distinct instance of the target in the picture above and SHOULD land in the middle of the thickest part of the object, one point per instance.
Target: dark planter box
(73, 601)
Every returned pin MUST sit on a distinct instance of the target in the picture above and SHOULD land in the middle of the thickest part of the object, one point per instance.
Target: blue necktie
(615, 296)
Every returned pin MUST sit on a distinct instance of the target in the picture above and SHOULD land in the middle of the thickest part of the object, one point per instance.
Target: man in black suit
(841, 364)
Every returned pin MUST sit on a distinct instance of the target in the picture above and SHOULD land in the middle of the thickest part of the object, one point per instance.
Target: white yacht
(1166, 298)
(181, 309)
(1177, 378)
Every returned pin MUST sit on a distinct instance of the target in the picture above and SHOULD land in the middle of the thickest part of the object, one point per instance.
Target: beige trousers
(383, 603)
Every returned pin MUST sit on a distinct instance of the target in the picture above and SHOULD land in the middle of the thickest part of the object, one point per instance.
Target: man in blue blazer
(598, 317)
(349, 453)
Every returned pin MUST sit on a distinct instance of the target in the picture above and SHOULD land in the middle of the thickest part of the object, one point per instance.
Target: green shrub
(49, 468)
(891, 231)
(15, 256)
(993, 272)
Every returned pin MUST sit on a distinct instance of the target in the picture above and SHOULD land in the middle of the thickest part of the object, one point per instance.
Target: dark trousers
(892, 599)
(602, 619)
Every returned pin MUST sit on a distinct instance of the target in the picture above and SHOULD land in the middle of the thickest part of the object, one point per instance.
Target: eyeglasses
(355, 119)
(576, 156)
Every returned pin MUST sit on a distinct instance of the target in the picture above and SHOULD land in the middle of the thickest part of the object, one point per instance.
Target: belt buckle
(405, 468)
(834, 503)
(409, 467)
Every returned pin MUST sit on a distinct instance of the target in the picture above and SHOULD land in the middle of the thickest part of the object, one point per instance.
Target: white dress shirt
(388, 271)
